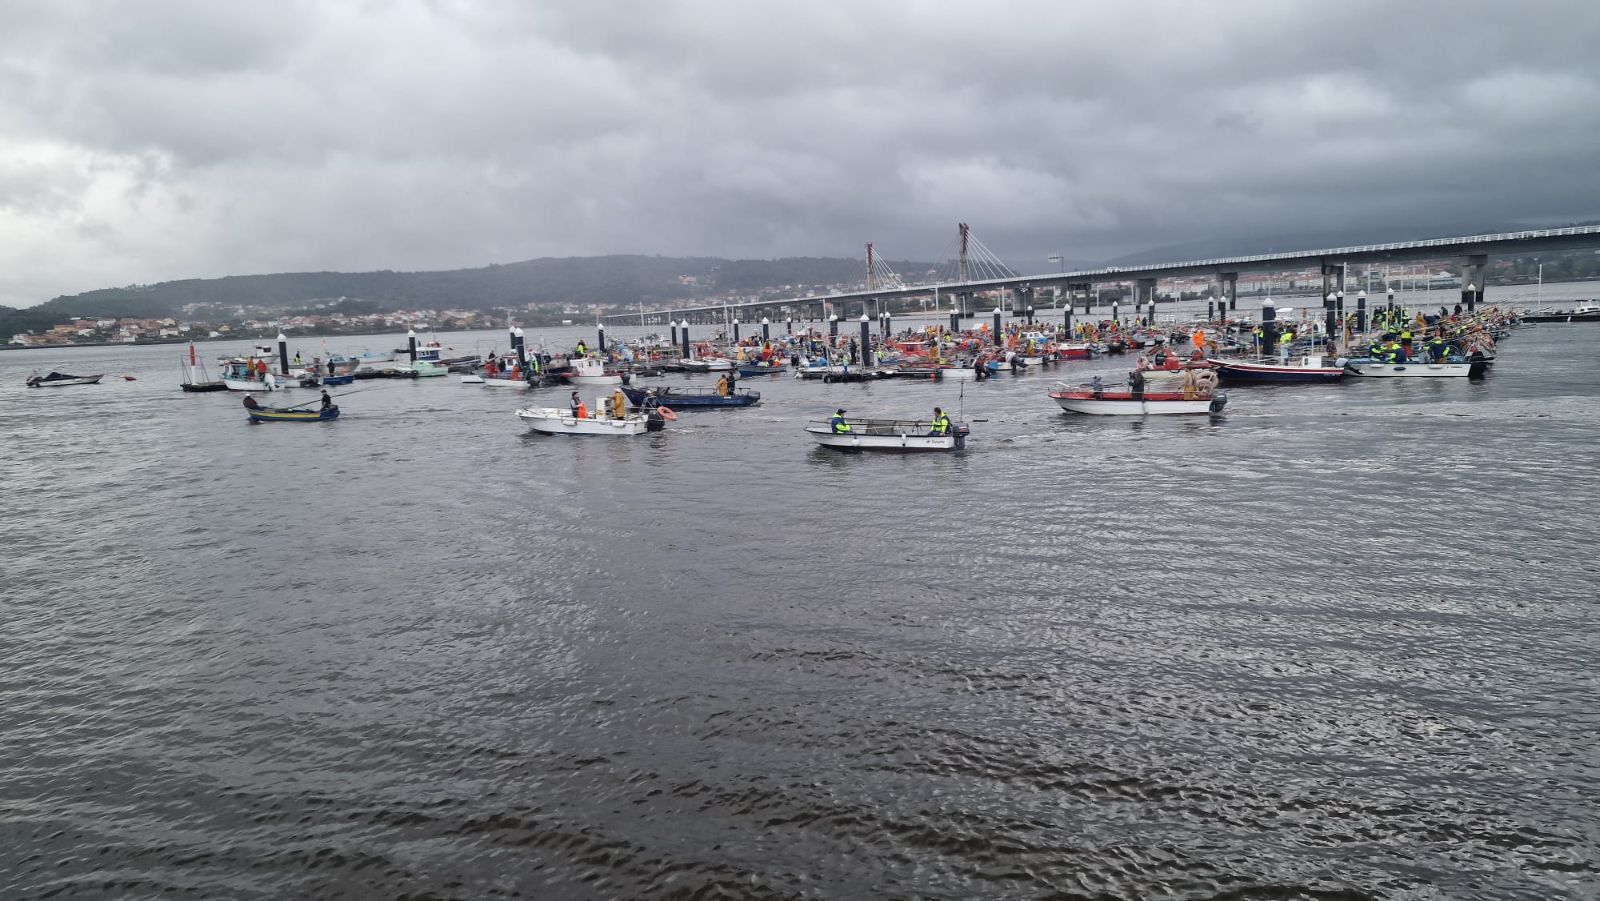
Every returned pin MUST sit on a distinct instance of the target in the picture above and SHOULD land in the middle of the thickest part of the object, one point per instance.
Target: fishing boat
(292, 414)
(770, 367)
(1120, 401)
(239, 374)
(589, 372)
(706, 364)
(1076, 351)
(556, 421)
(892, 435)
(1410, 370)
(1307, 368)
(692, 398)
(61, 380)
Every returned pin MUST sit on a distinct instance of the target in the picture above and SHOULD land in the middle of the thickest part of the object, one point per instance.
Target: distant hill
(625, 280)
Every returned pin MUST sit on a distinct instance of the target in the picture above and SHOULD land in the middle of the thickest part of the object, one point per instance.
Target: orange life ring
(667, 414)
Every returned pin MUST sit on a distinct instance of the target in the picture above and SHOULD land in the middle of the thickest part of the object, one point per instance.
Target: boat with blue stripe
(690, 398)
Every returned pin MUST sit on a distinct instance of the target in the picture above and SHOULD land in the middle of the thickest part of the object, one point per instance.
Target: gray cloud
(144, 142)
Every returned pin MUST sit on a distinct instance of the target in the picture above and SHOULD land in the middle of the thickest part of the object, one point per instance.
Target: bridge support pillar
(1230, 292)
(1473, 269)
(1269, 327)
(1146, 296)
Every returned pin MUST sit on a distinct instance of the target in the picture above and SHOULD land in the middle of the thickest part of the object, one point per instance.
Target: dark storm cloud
(141, 142)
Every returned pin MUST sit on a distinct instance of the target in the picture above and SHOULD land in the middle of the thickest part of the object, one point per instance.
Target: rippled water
(1339, 643)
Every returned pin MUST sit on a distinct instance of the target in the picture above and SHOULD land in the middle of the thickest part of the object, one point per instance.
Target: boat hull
(270, 384)
(692, 398)
(1123, 404)
(268, 414)
(775, 369)
(1410, 370)
(890, 435)
(1272, 372)
(64, 382)
(555, 421)
(890, 444)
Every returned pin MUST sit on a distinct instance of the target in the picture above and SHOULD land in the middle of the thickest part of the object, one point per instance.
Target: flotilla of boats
(1163, 380)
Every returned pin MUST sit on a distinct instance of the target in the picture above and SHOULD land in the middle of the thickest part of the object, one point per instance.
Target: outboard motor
(1218, 402)
(960, 432)
(1479, 365)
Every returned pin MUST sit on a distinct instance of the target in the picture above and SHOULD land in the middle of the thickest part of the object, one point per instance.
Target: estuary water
(1338, 643)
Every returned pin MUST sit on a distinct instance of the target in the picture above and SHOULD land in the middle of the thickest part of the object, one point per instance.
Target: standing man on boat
(619, 404)
(838, 423)
(1136, 384)
(941, 423)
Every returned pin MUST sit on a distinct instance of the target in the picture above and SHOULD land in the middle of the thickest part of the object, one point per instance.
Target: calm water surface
(1338, 643)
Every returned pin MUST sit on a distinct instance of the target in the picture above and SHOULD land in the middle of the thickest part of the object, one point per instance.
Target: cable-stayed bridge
(977, 270)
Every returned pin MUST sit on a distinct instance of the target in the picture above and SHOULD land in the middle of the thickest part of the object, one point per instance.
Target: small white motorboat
(556, 421)
(241, 375)
(707, 364)
(895, 435)
(473, 380)
(62, 379)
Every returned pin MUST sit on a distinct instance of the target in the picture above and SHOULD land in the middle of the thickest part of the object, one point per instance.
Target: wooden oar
(331, 396)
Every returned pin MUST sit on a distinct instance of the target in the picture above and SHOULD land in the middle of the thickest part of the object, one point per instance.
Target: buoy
(129, 378)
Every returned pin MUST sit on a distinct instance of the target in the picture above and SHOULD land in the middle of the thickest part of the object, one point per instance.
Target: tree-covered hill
(625, 280)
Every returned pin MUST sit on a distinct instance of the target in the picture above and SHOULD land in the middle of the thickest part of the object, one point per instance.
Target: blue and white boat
(691, 398)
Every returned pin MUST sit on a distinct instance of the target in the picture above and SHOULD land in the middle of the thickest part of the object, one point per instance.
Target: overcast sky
(149, 141)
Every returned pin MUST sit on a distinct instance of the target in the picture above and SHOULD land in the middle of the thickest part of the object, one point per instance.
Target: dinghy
(291, 414)
(892, 435)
